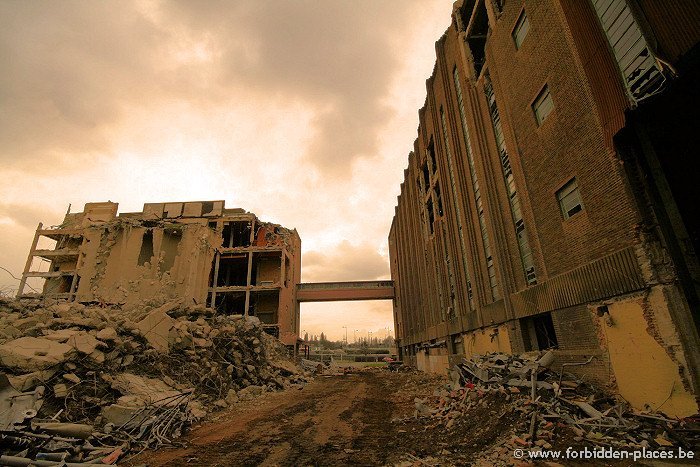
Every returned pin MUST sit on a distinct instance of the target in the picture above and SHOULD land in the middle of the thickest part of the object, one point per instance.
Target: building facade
(197, 252)
(548, 199)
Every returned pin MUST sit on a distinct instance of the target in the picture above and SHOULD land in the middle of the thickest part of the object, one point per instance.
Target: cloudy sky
(302, 112)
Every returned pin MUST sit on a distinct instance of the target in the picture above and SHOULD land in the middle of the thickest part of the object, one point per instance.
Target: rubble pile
(85, 382)
(546, 410)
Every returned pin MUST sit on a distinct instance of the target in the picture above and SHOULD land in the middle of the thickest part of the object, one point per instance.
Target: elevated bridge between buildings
(345, 291)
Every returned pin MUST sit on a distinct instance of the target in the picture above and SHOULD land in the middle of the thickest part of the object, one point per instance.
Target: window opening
(543, 105)
(570, 199)
(522, 26)
(146, 252)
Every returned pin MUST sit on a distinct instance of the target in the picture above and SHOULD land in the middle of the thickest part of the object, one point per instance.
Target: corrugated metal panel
(640, 71)
(613, 275)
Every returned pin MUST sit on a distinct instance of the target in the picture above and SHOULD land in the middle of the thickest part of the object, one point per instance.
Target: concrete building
(549, 199)
(198, 252)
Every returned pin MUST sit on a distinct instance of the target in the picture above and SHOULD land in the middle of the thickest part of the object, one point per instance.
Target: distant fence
(377, 357)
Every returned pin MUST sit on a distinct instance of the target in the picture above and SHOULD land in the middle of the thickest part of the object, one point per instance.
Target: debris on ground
(87, 383)
(541, 410)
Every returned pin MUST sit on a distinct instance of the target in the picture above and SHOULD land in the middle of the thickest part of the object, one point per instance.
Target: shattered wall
(128, 263)
(197, 253)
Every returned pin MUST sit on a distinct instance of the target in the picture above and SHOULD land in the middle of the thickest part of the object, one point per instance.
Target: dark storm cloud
(334, 55)
(72, 70)
(344, 262)
(67, 70)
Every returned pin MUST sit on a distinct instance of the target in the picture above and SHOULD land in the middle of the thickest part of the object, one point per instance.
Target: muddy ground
(363, 418)
(338, 420)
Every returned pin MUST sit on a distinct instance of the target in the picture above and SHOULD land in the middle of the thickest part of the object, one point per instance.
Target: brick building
(199, 253)
(548, 201)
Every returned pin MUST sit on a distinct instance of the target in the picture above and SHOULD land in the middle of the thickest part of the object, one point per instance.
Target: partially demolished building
(547, 201)
(196, 252)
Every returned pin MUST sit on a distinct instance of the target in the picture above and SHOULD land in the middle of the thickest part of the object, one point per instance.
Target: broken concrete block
(107, 334)
(29, 381)
(60, 390)
(8, 332)
(250, 392)
(221, 403)
(34, 353)
(155, 328)
(97, 356)
(72, 377)
(231, 397)
(120, 415)
(62, 335)
(83, 342)
(147, 390)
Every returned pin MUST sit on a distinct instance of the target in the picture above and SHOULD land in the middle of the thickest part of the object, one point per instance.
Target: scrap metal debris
(84, 384)
(547, 404)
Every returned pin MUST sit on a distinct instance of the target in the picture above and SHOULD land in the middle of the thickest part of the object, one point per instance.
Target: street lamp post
(346, 334)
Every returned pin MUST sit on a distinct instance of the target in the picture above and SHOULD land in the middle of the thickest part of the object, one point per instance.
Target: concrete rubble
(88, 383)
(541, 410)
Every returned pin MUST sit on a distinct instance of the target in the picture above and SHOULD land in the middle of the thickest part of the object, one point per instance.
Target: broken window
(287, 271)
(236, 234)
(498, 6)
(267, 268)
(569, 199)
(522, 26)
(539, 333)
(493, 281)
(207, 207)
(543, 105)
(438, 199)
(168, 248)
(466, 12)
(453, 186)
(146, 252)
(431, 153)
(638, 65)
(431, 215)
(426, 176)
(523, 243)
(264, 305)
(233, 271)
(476, 37)
(230, 303)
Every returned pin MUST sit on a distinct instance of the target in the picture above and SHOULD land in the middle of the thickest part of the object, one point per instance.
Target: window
(543, 105)
(431, 153)
(476, 37)
(639, 68)
(520, 30)
(498, 5)
(569, 199)
(516, 211)
(539, 332)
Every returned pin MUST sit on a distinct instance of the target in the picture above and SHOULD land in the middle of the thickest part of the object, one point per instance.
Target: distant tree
(306, 336)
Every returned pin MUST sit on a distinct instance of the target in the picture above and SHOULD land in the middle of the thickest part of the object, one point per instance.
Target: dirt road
(341, 420)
